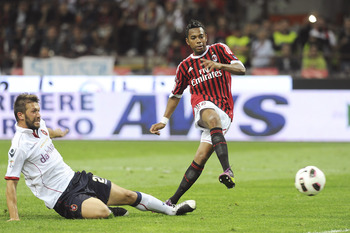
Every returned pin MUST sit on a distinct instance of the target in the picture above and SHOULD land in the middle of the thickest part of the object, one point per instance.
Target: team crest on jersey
(214, 57)
(73, 207)
(11, 163)
(44, 132)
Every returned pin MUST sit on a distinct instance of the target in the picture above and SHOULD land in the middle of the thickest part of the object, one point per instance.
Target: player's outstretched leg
(147, 202)
(190, 176)
(220, 147)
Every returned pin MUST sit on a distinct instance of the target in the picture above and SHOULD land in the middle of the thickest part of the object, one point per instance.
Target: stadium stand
(147, 35)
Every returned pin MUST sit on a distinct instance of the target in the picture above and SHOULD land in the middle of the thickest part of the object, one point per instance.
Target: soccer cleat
(118, 211)
(169, 203)
(185, 207)
(227, 178)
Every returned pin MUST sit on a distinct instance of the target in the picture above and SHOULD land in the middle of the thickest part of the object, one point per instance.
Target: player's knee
(96, 213)
(214, 121)
(210, 118)
(94, 208)
(103, 213)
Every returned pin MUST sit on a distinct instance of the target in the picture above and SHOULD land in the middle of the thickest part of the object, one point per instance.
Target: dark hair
(193, 24)
(21, 101)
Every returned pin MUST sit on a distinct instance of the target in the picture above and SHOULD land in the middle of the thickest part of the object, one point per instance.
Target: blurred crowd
(130, 28)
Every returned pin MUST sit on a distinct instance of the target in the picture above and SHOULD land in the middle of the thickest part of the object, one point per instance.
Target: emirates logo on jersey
(205, 75)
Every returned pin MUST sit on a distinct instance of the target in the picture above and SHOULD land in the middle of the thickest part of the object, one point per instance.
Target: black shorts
(82, 186)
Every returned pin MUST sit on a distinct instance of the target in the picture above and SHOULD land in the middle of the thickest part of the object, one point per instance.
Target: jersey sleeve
(180, 82)
(16, 159)
(228, 55)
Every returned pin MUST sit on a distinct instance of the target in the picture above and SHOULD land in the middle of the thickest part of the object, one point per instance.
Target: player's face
(32, 116)
(197, 40)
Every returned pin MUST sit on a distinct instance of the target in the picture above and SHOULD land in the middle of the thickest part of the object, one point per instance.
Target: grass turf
(264, 200)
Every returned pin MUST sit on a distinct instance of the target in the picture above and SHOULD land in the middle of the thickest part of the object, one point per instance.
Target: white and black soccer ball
(310, 180)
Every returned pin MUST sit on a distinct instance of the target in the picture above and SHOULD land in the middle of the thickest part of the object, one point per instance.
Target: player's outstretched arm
(57, 133)
(236, 68)
(170, 108)
(11, 198)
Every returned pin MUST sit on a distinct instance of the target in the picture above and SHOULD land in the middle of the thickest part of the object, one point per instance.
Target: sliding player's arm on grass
(11, 198)
(170, 108)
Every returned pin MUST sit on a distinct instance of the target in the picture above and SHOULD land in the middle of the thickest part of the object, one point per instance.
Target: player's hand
(58, 133)
(156, 127)
(209, 64)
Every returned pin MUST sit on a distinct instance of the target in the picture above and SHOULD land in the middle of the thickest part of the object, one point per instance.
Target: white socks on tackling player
(150, 203)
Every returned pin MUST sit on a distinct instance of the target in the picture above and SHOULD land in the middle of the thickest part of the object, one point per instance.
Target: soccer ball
(310, 180)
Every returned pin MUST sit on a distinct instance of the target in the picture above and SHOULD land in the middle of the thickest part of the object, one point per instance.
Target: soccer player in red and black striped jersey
(208, 74)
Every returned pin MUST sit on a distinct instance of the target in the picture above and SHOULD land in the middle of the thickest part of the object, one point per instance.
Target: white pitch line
(332, 231)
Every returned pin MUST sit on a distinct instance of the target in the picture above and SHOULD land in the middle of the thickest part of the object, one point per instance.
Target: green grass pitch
(264, 200)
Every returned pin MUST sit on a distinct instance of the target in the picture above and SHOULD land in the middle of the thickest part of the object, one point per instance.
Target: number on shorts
(99, 179)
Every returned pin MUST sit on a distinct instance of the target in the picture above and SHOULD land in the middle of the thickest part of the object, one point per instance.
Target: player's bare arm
(235, 68)
(57, 133)
(170, 108)
(11, 198)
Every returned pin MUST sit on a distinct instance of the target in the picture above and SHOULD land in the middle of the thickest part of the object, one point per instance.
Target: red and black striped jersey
(214, 86)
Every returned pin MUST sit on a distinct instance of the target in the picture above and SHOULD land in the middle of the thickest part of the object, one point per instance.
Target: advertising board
(275, 116)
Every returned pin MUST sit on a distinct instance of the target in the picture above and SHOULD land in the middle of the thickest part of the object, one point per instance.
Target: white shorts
(225, 119)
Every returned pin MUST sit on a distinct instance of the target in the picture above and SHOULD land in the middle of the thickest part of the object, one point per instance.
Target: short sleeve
(16, 159)
(228, 55)
(180, 82)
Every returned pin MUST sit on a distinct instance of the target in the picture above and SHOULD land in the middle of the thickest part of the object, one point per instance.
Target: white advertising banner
(274, 116)
(87, 65)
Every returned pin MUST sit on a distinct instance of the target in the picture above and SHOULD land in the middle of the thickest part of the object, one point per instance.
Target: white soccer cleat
(185, 207)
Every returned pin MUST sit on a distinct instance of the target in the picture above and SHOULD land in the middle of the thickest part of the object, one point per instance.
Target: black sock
(191, 175)
(220, 147)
